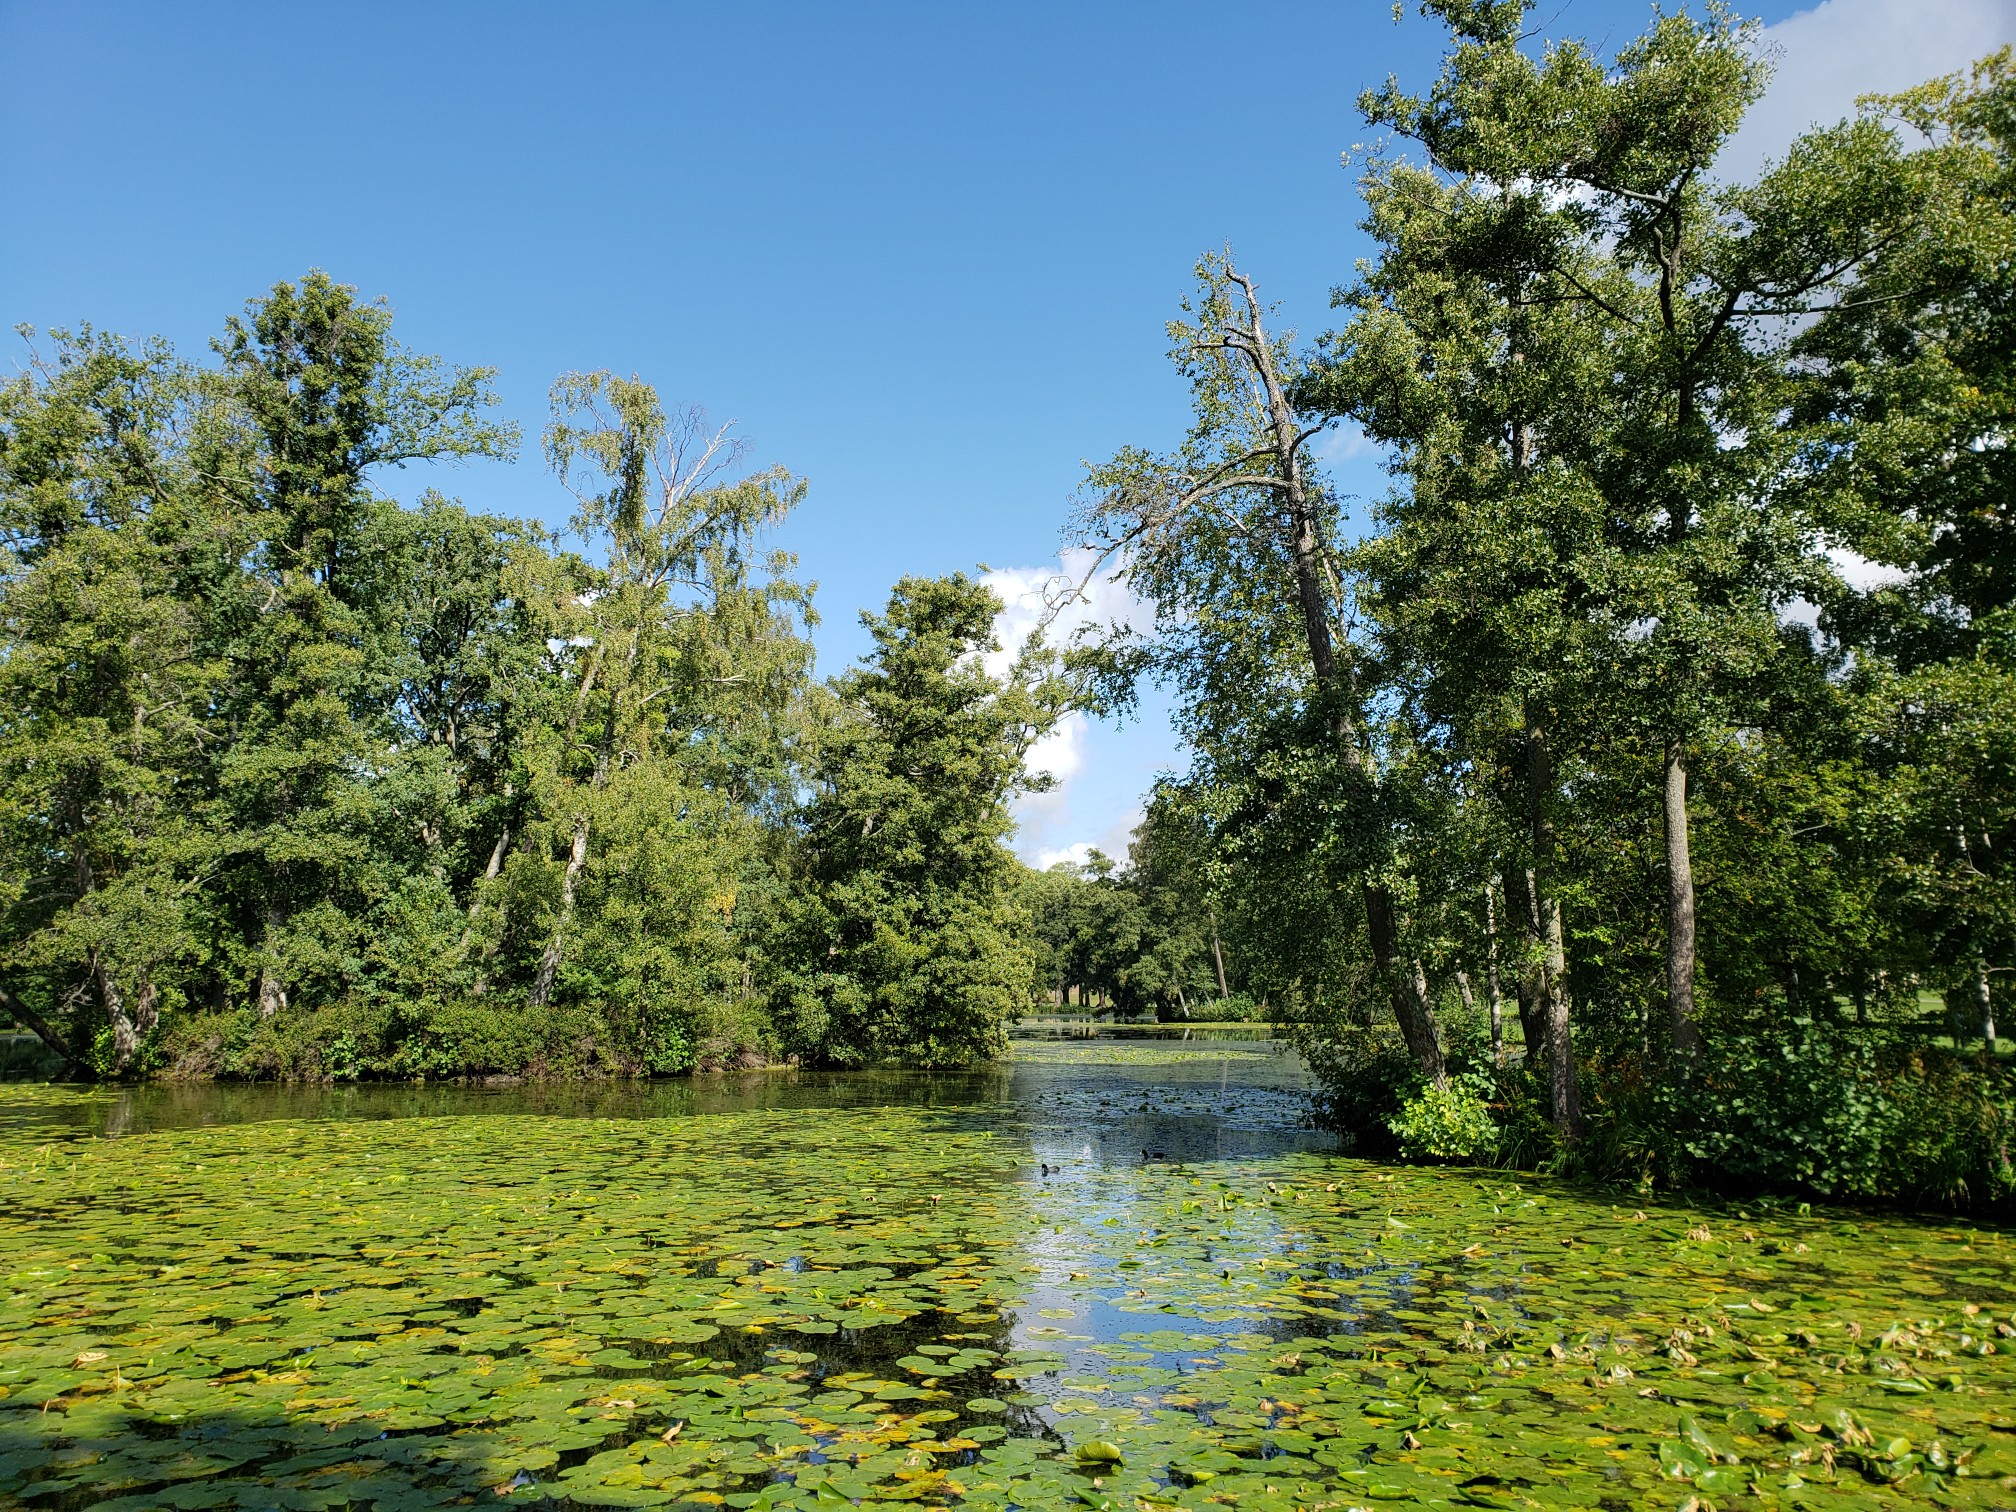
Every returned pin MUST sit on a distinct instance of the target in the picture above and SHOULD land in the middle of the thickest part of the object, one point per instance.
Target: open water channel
(1109, 1274)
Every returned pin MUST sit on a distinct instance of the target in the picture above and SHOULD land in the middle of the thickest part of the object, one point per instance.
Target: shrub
(1809, 1108)
(1449, 1122)
(1841, 1113)
(468, 1037)
(1365, 1079)
(1238, 1008)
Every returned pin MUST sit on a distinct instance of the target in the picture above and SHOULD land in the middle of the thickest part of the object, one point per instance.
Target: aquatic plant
(950, 1306)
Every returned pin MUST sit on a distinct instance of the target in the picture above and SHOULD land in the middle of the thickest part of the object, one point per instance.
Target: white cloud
(1087, 761)
(1028, 594)
(1112, 844)
(1861, 574)
(1345, 442)
(1828, 55)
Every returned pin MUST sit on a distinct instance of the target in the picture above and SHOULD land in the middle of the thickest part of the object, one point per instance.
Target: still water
(1109, 1273)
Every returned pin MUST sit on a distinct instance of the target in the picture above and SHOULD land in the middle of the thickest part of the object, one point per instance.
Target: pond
(1106, 1274)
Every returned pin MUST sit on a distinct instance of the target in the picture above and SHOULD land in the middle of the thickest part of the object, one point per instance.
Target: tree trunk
(1986, 999)
(1218, 957)
(129, 1033)
(1679, 909)
(1463, 986)
(1491, 979)
(272, 994)
(577, 851)
(1412, 1008)
(42, 1030)
(549, 961)
(1532, 1013)
(1565, 1096)
(128, 1030)
(481, 984)
(490, 869)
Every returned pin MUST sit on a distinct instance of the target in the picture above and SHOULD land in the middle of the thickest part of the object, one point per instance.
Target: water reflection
(1110, 1103)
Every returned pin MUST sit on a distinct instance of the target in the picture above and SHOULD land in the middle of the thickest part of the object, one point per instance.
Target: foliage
(296, 781)
(1451, 1121)
(1143, 939)
(468, 1038)
(1839, 1114)
(905, 938)
(1594, 745)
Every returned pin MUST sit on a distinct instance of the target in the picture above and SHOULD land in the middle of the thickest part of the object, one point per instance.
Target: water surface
(1115, 1273)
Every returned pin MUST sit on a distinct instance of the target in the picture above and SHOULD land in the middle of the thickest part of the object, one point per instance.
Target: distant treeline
(296, 781)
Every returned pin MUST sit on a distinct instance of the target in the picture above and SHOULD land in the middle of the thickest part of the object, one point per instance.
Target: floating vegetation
(818, 1308)
(1152, 1053)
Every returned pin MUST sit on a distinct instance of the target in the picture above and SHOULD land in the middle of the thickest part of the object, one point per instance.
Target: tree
(1910, 392)
(904, 938)
(107, 819)
(323, 821)
(685, 644)
(1232, 540)
(1627, 328)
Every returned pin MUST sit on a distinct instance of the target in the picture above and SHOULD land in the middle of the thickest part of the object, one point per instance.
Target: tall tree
(1578, 196)
(107, 821)
(688, 639)
(1232, 539)
(327, 398)
(1910, 390)
(905, 939)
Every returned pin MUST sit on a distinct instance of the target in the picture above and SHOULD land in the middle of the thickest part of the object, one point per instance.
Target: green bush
(1365, 1077)
(1449, 1122)
(1238, 1008)
(1840, 1113)
(472, 1037)
(1527, 1139)
(1809, 1108)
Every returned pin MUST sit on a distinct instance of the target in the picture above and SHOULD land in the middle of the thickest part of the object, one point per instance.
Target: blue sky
(922, 253)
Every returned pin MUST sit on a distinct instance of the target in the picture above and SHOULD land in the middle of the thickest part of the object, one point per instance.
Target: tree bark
(128, 1030)
(549, 960)
(272, 993)
(481, 984)
(43, 1030)
(1565, 1095)
(1986, 999)
(1532, 1015)
(577, 851)
(1679, 908)
(1491, 979)
(1412, 1008)
(490, 869)
(1218, 957)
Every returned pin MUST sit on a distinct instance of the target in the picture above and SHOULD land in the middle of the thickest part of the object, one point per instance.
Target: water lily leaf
(1721, 1480)
(501, 1296)
(1682, 1461)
